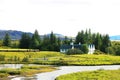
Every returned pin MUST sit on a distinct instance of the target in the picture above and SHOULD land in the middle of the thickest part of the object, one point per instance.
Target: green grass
(25, 70)
(57, 58)
(92, 75)
(86, 60)
(12, 57)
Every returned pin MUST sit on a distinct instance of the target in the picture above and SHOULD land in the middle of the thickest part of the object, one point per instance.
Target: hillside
(13, 34)
(16, 35)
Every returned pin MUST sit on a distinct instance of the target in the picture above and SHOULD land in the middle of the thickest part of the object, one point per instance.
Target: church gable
(65, 48)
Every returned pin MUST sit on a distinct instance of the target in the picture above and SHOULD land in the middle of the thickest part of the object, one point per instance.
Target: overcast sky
(66, 17)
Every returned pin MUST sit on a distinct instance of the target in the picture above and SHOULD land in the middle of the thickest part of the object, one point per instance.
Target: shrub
(2, 75)
(84, 48)
(98, 52)
(2, 57)
(74, 51)
(25, 59)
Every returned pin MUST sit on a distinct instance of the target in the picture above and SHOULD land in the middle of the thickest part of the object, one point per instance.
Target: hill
(14, 34)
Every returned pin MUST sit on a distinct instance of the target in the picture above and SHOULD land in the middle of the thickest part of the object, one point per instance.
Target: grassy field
(92, 75)
(24, 71)
(18, 57)
(56, 58)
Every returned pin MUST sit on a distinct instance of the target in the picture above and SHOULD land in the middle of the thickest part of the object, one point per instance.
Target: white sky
(66, 17)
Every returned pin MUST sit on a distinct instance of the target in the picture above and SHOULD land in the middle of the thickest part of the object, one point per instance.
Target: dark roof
(70, 46)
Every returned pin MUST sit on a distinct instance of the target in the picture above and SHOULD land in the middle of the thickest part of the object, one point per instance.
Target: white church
(65, 48)
(91, 49)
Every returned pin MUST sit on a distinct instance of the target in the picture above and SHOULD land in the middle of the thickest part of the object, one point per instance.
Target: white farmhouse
(65, 48)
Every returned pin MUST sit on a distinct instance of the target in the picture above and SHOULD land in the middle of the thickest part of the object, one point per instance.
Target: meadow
(57, 58)
(92, 75)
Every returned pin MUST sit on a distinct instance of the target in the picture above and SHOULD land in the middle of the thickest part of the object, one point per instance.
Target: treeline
(48, 43)
(114, 49)
(100, 41)
(53, 43)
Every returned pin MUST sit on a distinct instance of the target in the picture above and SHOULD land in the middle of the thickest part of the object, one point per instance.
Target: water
(15, 66)
(65, 70)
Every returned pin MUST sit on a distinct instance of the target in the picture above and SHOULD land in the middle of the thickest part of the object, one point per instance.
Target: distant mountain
(116, 37)
(61, 37)
(14, 34)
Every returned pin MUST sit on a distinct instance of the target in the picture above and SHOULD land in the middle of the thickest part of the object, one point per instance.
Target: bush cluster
(74, 51)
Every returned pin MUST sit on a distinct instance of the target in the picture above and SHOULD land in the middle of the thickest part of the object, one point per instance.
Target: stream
(65, 70)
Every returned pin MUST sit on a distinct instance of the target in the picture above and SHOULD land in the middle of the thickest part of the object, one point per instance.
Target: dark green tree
(7, 40)
(25, 41)
(45, 43)
(105, 42)
(98, 41)
(53, 42)
(84, 48)
(58, 44)
(35, 41)
(66, 40)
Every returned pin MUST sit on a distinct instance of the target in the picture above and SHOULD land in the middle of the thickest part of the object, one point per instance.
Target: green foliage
(3, 75)
(25, 41)
(51, 43)
(84, 48)
(74, 51)
(25, 71)
(66, 40)
(25, 59)
(101, 42)
(98, 41)
(98, 52)
(92, 75)
(56, 58)
(114, 49)
(7, 40)
(110, 50)
(105, 43)
(35, 41)
(1, 43)
(10, 71)
(15, 43)
(2, 57)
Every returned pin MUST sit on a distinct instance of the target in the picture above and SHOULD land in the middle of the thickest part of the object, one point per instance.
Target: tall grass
(19, 56)
(92, 75)
(57, 58)
(25, 70)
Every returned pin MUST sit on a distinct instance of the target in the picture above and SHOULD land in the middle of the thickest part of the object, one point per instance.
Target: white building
(91, 49)
(65, 48)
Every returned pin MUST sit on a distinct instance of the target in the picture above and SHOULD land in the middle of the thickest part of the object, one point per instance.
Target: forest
(102, 43)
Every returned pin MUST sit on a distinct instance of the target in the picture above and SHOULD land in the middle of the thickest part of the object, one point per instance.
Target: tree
(105, 42)
(81, 37)
(66, 40)
(53, 42)
(35, 41)
(98, 41)
(74, 51)
(86, 37)
(7, 40)
(25, 41)
(84, 48)
(45, 43)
